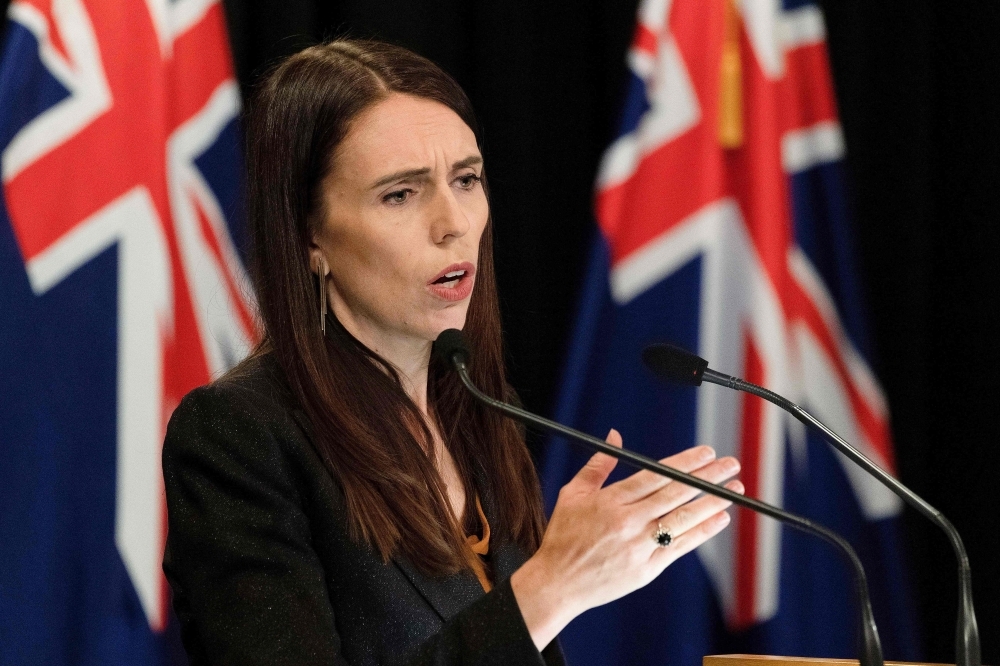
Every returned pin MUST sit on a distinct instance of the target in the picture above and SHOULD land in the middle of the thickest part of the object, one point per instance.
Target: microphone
(679, 365)
(451, 349)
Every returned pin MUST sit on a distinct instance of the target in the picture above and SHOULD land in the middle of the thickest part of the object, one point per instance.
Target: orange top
(478, 548)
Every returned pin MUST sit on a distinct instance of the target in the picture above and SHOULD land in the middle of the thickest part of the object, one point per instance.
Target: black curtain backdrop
(920, 105)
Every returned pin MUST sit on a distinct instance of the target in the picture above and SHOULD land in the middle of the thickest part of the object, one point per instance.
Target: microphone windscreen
(449, 343)
(673, 363)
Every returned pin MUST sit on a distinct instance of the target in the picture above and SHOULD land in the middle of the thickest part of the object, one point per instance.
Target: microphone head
(675, 364)
(450, 347)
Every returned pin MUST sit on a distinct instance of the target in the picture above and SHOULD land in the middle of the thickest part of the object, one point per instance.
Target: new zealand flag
(724, 228)
(121, 289)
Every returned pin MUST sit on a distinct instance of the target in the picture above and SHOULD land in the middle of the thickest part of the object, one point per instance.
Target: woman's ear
(317, 260)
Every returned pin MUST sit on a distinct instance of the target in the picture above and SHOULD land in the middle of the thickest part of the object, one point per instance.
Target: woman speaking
(338, 498)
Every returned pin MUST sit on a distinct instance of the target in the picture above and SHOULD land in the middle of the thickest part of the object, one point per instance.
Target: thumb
(593, 475)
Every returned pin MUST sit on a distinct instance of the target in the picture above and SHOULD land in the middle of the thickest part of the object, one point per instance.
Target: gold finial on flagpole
(731, 88)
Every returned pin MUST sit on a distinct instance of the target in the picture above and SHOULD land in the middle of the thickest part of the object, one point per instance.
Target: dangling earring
(322, 295)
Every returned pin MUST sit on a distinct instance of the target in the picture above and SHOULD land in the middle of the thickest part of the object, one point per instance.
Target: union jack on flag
(121, 289)
(724, 228)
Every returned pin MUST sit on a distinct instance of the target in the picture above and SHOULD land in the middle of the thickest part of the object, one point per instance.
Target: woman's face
(405, 210)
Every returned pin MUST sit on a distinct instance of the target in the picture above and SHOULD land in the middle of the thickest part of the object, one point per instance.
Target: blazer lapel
(505, 555)
(447, 595)
(506, 558)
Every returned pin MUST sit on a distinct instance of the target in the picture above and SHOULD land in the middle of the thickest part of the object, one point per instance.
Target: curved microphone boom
(679, 365)
(451, 349)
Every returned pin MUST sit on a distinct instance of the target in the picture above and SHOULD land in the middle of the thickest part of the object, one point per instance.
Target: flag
(724, 228)
(121, 289)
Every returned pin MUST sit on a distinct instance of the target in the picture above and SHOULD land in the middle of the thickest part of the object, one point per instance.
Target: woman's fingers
(593, 474)
(674, 495)
(692, 525)
(685, 543)
(643, 483)
(688, 516)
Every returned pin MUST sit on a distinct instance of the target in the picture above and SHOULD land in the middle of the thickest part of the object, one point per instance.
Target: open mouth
(453, 283)
(450, 280)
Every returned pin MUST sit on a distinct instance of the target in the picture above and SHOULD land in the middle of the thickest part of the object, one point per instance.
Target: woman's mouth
(454, 283)
(450, 279)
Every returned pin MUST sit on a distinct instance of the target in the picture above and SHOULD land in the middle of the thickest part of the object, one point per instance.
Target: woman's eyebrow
(401, 175)
(471, 160)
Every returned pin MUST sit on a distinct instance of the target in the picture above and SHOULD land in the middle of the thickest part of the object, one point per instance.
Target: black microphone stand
(967, 647)
(451, 347)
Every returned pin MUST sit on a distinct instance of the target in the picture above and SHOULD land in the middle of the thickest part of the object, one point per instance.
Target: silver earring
(322, 295)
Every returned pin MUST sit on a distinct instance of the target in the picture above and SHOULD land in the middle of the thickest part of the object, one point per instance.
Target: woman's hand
(599, 544)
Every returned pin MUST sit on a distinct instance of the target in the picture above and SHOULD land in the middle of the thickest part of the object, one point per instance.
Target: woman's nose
(448, 219)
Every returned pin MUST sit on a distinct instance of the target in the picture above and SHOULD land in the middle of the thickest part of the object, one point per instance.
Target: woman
(339, 498)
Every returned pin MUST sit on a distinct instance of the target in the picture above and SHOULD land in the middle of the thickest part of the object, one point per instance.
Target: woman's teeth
(450, 279)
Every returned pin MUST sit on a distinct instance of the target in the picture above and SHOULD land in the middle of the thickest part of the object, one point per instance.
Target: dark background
(920, 104)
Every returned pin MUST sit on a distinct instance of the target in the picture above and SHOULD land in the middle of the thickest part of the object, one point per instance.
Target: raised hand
(600, 543)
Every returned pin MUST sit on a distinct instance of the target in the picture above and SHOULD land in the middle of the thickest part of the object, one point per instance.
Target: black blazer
(263, 570)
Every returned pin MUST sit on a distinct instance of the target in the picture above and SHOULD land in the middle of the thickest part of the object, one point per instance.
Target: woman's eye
(397, 197)
(468, 181)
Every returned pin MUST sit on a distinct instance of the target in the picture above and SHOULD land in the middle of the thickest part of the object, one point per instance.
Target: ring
(662, 536)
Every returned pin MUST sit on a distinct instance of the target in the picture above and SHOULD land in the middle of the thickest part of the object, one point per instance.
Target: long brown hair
(395, 497)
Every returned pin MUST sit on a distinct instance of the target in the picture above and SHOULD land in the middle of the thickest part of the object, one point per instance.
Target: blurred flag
(120, 290)
(724, 228)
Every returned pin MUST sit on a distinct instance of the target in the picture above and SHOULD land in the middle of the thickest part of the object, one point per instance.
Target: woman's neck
(411, 362)
(408, 355)
(411, 359)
